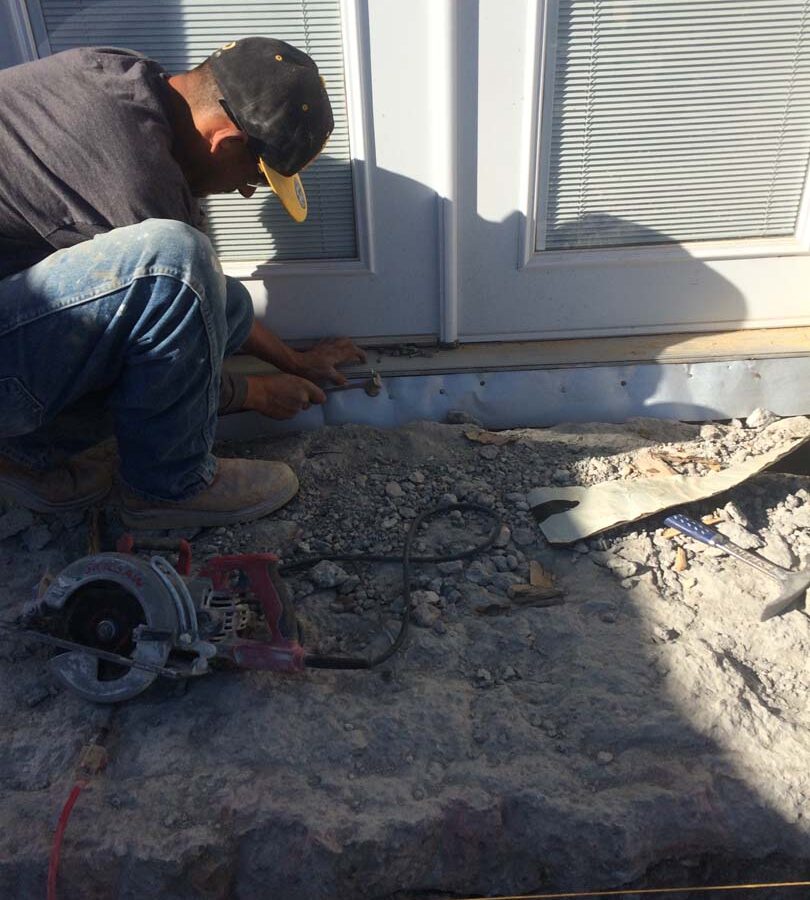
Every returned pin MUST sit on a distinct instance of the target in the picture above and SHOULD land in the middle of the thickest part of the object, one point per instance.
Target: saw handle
(697, 530)
(128, 544)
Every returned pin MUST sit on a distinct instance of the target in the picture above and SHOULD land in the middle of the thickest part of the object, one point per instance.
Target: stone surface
(14, 521)
(777, 550)
(739, 535)
(649, 730)
(327, 574)
(36, 537)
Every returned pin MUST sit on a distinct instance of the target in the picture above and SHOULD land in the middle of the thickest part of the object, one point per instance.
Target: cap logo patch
(229, 46)
(279, 57)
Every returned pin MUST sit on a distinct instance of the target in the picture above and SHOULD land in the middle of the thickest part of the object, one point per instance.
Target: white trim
(447, 27)
(803, 219)
(537, 137)
(630, 331)
(356, 56)
(23, 30)
(34, 21)
(247, 270)
(669, 253)
(447, 228)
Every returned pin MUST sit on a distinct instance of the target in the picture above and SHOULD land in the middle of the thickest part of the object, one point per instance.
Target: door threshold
(696, 377)
(412, 358)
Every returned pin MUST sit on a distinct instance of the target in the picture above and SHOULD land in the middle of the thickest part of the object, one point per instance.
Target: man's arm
(262, 343)
(283, 395)
(316, 364)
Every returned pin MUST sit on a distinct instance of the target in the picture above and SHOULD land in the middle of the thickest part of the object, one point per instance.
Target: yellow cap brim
(289, 191)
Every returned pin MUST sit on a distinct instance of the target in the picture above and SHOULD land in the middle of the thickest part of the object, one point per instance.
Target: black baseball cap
(274, 93)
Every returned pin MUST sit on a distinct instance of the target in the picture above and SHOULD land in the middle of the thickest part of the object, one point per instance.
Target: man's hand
(281, 396)
(316, 364)
(319, 362)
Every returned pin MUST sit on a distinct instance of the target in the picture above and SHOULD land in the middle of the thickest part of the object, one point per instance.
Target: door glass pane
(674, 120)
(182, 33)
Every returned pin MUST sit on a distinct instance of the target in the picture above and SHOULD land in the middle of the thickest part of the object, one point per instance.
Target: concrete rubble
(645, 729)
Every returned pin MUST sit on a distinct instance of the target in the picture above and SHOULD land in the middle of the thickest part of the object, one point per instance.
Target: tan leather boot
(76, 484)
(243, 490)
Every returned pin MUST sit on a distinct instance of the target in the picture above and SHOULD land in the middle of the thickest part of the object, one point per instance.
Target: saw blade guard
(123, 604)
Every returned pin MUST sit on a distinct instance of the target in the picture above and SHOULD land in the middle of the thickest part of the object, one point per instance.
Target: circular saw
(120, 620)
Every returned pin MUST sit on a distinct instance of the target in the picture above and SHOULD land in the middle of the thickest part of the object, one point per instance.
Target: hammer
(372, 386)
(794, 584)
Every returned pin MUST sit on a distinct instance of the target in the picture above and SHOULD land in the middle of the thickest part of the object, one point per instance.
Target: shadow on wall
(562, 303)
(328, 182)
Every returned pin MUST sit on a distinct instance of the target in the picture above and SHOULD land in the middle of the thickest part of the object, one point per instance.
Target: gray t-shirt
(85, 146)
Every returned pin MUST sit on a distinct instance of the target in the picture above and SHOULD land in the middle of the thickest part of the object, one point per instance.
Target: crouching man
(112, 299)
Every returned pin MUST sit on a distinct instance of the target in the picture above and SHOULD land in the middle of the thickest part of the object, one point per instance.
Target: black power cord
(359, 662)
(338, 662)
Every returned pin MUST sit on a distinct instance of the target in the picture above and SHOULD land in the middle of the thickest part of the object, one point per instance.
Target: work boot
(73, 485)
(242, 490)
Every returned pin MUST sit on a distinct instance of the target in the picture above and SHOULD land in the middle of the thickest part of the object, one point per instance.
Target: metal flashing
(688, 391)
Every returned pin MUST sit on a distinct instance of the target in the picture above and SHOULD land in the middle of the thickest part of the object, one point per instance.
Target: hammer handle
(697, 530)
(349, 386)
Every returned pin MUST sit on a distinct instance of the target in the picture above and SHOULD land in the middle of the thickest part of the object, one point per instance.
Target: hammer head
(792, 595)
(374, 384)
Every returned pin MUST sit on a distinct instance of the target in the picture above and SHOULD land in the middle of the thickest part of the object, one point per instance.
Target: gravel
(649, 717)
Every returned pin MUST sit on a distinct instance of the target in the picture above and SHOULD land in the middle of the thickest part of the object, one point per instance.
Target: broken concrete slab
(650, 719)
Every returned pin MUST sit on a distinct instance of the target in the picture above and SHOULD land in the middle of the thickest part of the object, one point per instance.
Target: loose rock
(36, 537)
(739, 535)
(15, 521)
(327, 574)
(759, 418)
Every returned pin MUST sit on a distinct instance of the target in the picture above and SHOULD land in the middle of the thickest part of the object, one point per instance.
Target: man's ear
(223, 134)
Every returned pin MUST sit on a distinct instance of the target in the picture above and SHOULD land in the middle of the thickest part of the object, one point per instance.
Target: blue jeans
(132, 326)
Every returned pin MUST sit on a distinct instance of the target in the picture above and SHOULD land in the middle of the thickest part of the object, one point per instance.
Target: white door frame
(542, 20)
(530, 288)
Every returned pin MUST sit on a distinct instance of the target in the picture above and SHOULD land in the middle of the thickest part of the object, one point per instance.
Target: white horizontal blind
(675, 120)
(182, 33)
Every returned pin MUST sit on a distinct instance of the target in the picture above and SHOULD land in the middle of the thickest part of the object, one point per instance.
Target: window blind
(182, 33)
(675, 120)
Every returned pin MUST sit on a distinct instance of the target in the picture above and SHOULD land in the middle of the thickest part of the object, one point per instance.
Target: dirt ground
(646, 730)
